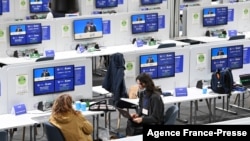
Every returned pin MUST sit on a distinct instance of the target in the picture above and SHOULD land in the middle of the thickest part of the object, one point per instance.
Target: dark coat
(155, 108)
(114, 79)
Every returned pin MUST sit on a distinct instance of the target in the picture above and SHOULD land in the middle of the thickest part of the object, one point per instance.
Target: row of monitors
(227, 57)
(40, 6)
(158, 65)
(53, 79)
(215, 16)
(24, 34)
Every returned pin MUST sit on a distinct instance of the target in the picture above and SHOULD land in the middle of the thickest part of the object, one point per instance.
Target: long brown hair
(147, 80)
(63, 104)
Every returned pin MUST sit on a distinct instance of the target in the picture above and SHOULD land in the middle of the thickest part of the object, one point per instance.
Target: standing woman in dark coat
(151, 107)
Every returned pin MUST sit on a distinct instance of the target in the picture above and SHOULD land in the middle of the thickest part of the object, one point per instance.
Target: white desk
(194, 94)
(100, 90)
(131, 138)
(10, 121)
(103, 51)
(206, 39)
(240, 121)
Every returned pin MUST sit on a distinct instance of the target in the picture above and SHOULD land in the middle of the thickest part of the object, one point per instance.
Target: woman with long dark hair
(151, 107)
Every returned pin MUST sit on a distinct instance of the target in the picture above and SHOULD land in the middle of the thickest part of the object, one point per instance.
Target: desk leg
(178, 116)
(97, 124)
(195, 111)
(238, 105)
(11, 132)
(208, 101)
(214, 110)
(191, 112)
(227, 106)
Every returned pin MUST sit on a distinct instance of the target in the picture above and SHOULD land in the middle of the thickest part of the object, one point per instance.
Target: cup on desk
(78, 105)
(204, 90)
(83, 106)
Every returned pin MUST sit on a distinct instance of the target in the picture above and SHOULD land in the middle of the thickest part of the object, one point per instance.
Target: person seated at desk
(151, 107)
(73, 125)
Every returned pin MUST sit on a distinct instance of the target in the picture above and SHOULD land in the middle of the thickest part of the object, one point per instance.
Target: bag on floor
(222, 81)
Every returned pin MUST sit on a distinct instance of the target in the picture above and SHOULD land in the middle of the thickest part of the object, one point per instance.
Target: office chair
(171, 115)
(4, 136)
(52, 132)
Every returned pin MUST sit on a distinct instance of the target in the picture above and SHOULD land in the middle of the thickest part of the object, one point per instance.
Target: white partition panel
(15, 97)
(181, 79)
(202, 71)
(194, 27)
(3, 92)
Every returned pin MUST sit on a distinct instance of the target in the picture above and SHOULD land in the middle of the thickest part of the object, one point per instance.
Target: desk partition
(19, 83)
(200, 60)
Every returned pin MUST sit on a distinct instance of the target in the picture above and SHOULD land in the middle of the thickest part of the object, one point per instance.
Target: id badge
(145, 111)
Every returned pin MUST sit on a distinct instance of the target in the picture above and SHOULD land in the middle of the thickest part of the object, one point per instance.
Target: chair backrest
(52, 132)
(3, 136)
(171, 115)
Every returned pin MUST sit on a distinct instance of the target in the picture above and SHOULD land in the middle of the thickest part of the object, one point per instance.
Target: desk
(194, 94)
(240, 121)
(103, 51)
(34, 117)
(131, 138)
(40, 117)
(206, 39)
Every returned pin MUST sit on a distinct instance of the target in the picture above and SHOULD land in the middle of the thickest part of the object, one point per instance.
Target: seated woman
(72, 123)
(151, 107)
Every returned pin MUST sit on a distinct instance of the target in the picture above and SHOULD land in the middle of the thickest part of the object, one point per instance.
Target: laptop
(245, 80)
(124, 113)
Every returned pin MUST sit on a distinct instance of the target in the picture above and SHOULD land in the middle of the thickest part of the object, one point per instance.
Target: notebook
(245, 80)
(124, 113)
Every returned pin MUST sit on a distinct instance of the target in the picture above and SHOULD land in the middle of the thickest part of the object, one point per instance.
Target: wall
(180, 79)
(11, 88)
(201, 71)
(193, 26)
(62, 40)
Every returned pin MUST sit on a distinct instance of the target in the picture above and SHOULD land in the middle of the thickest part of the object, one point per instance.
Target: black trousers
(133, 128)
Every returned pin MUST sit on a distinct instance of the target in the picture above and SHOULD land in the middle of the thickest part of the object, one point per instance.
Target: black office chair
(3, 136)
(171, 115)
(52, 132)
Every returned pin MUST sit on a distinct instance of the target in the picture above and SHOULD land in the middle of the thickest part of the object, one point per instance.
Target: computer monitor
(1, 10)
(148, 64)
(141, 23)
(106, 3)
(150, 2)
(87, 28)
(215, 16)
(39, 6)
(227, 57)
(49, 80)
(24, 34)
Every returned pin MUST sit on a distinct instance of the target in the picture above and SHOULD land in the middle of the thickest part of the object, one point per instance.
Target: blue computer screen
(48, 80)
(1, 9)
(141, 23)
(158, 65)
(231, 57)
(39, 6)
(150, 2)
(106, 3)
(215, 16)
(87, 28)
(24, 34)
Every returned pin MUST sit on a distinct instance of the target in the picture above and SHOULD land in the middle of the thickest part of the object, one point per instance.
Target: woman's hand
(134, 115)
(137, 120)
